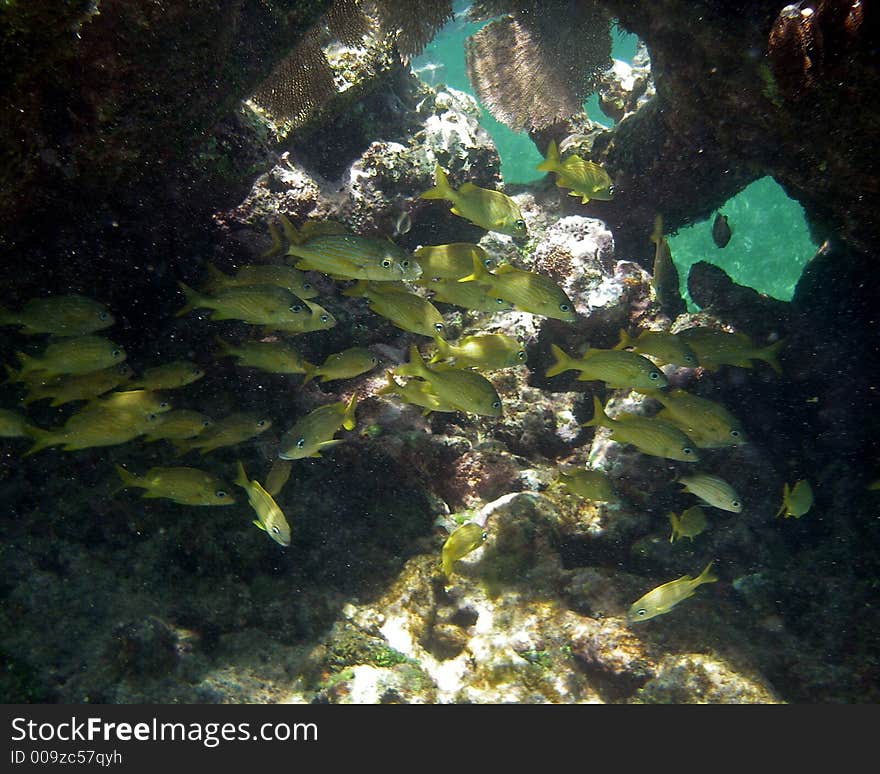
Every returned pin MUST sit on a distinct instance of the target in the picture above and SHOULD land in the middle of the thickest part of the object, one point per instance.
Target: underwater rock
(625, 86)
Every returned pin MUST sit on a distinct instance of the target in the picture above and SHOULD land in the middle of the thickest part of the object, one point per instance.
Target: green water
(770, 243)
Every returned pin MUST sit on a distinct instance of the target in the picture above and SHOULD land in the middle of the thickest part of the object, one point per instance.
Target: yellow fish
(460, 543)
(649, 435)
(715, 348)
(416, 393)
(589, 484)
(347, 364)
(712, 490)
(585, 178)
(467, 391)
(232, 429)
(186, 486)
(707, 423)
(528, 291)
(318, 319)
(14, 425)
(349, 256)
(91, 429)
(797, 500)
(665, 347)
(71, 315)
(277, 476)
(137, 402)
(451, 261)
(77, 355)
(314, 432)
(406, 310)
(476, 296)
(617, 368)
(486, 351)
(270, 517)
(691, 523)
(254, 304)
(168, 376)
(65, 389)
(487, 209)
(277, 357)
(285, 277)
(663, 598)
(178, 425)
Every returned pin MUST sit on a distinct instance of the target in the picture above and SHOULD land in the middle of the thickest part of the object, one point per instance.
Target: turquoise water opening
(768, 249)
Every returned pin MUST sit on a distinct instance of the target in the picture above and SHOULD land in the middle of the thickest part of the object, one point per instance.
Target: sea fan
(537, 65)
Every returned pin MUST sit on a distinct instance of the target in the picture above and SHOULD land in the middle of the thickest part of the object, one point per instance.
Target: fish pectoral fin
(331, 442)
(148, 495)
(256, 523)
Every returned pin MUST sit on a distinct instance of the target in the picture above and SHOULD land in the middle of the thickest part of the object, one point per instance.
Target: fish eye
(641, 612)
(220, 493)
(374, 360)
(115, 353)
(735, 434)
(196, 372)
(207, 423)
(386, 264)
(405, 264)
(307, 285)
(484, 535)
(325, 318)
(102, 316)
(438, 326)
(163, 404)
(295, 308)
(489, 263)
(689, 359)
(687, 450)
(654, 376)
(496, 404)
(276, 531)
(736, 503)
(520, 223)
(301, 443)
(521, 355)
(565, 307)
(261, 423)
(499, 301)
(151, 417)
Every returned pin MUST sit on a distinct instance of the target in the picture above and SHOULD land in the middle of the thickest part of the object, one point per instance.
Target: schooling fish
(286, 277)
(662, 345)
(451, 261)
(168, 376)
(277, 357)
(484, 351)
(797, 500)
(14, 425)
(467, 391)
(270, 518)
(460, 543)
(178, 425)
(70, 315)
(721, 232)
(664, 275)
(585, 178)
(186, 486)
(649, 435)
(589, 484)
(689, 524)
(712, 490)
(528, 291)
(347, 364)
(663, 598)
(483, 207)
(350, 256)
(228, 431)
(617, 368)
(416, 393)
(708, 423)
(77, 355)
(715, 348)
(314, 432)
(65, 389)
(253, 304)
(406, 310)
(318, 319)
(476, 296)
(277, 476)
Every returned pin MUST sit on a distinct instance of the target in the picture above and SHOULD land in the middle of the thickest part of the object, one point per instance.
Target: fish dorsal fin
(506, 268)
(467, 187)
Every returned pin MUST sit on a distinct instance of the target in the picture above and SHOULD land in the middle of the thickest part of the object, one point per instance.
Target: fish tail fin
(291, 233)
(562, 362)
(277, 246)
(216, 278)
(600, 418)
(225, 348)
(391, 385)
(28, 365)
(443, 351)
(707, 576)
(673, 520)
(441, 189)
(551, 160)
(193, 299)
(479, 270)
(785, 495)
(127, 479)
(358, 289)
(310, 372)
(657, 233)
(768, 355)
(348, 419)
(241, 478)
(625, 340)
(11, 375)
(42, 440)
